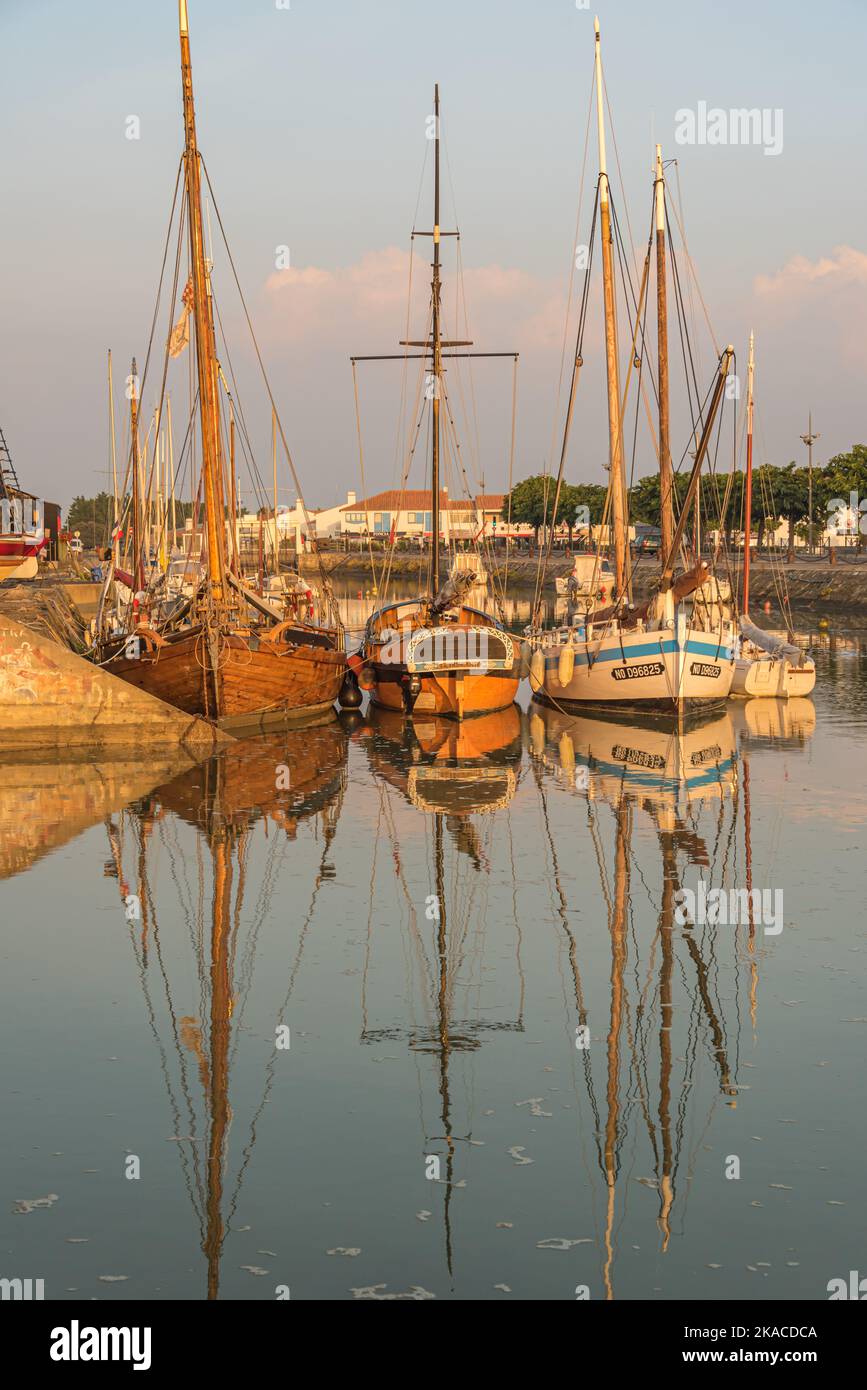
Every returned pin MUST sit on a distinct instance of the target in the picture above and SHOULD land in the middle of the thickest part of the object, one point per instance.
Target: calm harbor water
(378, 1010)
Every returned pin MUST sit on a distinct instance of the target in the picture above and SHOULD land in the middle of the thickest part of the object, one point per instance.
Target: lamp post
(808, 439)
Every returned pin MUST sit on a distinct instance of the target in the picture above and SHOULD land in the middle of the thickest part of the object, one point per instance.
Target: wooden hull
(448, 694)
(457, 667)
(258, 684)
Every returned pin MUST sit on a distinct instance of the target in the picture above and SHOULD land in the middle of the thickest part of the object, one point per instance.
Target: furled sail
(769, 643)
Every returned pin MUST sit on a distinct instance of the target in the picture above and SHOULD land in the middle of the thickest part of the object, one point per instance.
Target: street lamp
(808, 439)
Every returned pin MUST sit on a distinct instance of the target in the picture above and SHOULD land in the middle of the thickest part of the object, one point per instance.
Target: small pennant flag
(181, 331)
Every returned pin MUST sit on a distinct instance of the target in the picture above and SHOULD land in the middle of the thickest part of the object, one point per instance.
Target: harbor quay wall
(51, 695)
(815, 584)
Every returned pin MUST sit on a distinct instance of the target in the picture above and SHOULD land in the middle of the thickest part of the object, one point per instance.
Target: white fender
(566, 664)
(537, 670)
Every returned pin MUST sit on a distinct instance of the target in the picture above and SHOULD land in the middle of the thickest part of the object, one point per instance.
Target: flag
(181, 331)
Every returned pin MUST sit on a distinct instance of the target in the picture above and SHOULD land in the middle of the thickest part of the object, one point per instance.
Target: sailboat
(230, 659)
(22, 523)
(764, 665)
(660, 656)
(438, 654)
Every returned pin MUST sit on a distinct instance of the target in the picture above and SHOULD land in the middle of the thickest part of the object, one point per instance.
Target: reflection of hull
(439, 765)
(311, 760)
(47, 800)
(656, 672)
(257, 683)
(774, 677)
(787, 722)
(657, 763)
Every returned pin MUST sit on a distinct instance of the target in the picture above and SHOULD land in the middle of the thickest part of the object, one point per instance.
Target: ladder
(8, 476)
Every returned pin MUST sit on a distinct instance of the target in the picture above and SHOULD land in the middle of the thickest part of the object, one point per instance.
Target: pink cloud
(366, 302)
(826, 297)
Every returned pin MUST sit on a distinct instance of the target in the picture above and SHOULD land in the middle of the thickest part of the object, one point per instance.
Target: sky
(312, 122)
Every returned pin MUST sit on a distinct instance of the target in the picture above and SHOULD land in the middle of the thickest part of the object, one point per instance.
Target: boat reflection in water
(228, 800)
(452, 772)
(775, 723)
(681, 784)
(440, 765)
(48, 798)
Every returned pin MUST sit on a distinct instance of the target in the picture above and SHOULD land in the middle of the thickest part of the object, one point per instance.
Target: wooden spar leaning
(668, 568)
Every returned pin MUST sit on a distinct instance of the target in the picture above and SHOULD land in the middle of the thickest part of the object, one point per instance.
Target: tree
(93, 517)
(590, 496)
(842, 476)
(528, 502)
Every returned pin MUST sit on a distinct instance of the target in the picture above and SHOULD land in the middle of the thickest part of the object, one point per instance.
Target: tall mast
(617, 474)
(171, 471)
(206, 353)
(748, 491)
(275, 568)
(115, 543)
(666, 476)
(437, 357)
(136, 504)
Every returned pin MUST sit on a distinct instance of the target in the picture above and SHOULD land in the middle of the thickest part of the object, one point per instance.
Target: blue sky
(312, 123)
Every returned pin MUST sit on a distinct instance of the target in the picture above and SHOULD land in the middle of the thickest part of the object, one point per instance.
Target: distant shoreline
(811, 583)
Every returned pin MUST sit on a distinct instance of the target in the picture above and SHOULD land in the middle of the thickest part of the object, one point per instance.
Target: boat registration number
(704, 668)
(633, 673)
(621, 754)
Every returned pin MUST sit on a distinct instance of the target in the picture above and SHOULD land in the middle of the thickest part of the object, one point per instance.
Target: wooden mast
(115, 543)
(666, 476)
(748, 491)
(275, 566)
(437, 359)
(136, 504)
(172, 473)
(615, 436)
(206, 354)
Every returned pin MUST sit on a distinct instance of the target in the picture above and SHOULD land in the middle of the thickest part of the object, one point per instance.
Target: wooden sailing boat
(764, 665)
(224, 664)
(659, 657)
(438, 654)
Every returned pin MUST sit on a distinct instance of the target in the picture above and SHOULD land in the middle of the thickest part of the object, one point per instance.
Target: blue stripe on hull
(640, 649)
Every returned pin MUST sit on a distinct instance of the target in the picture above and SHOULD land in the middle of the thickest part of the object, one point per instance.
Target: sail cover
(769, 643)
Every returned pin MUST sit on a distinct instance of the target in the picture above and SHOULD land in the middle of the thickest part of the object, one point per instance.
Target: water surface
(431, 918)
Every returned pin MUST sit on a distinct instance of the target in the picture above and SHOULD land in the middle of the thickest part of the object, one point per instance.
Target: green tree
(528, 502)
(93, 517)
(841, 476)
